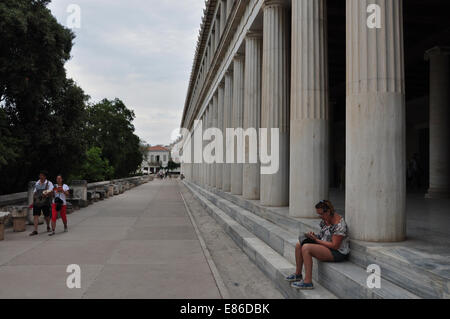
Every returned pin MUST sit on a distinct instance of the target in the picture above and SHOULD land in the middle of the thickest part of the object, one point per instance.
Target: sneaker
(49, 229)
(294, 278)
(34, 233)
(302, 285)
(66, 229)
(52, 233)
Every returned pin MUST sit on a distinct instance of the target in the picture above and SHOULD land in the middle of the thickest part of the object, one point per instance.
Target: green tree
(110, 126)
(34, 91)
(9, 145)
(171, 165)
(45, 119)
(94, 167)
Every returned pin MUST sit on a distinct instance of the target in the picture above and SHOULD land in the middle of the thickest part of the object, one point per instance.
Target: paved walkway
(140, 244)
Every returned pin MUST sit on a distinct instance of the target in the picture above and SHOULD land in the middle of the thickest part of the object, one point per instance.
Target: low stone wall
(82, 195)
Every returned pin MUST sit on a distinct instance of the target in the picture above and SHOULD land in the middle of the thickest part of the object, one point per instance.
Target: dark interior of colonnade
(426, 25)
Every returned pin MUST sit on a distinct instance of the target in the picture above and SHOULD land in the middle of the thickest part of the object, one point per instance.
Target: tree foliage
(110, 127)
(46, 120)
(95, 167)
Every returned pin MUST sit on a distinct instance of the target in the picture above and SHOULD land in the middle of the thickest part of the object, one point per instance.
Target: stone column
(238, 117)
(201, 166)
(227, 123)
(376, 143)
(208, 58)
(223, 16)
(252, 111)
(196, 172)
(309, 108)
(193, 171)
(439, 122)
(30, 197)
(80, 192)
(275, 98)
(207, 126)
(212, 180)
(189, 174)
(213, 48)
(220, 122)
(229, 7)
(218, 32)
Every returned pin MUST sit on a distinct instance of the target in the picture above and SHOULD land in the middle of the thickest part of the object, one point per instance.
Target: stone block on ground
(3, 216)
(19, 217)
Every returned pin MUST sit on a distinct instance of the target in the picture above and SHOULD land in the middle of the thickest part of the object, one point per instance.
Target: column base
(438, 193)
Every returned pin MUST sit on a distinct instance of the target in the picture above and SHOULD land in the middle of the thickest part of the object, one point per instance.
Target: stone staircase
(269, 239)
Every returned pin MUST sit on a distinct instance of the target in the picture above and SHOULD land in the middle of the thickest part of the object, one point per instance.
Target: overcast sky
(140, 51)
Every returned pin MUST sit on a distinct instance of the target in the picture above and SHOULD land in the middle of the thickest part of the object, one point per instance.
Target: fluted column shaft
(218, 33)
(192, 165)
(227, 123)
(205, 165)
(309, 108)
(376, 151)
(213, 47)
(275, 98)
(200, 165)
(208, 125)
(439, 122)
(238, 117)
(220, 118)
(214, 114)
(229, 7)
(197, 172)
(252, 111)
(223, 16)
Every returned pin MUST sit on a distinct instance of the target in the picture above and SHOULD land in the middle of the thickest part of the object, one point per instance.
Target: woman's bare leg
(298, 259)
(309, 251)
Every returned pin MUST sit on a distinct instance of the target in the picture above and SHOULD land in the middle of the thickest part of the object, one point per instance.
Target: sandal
(294, 278)
(34, 233)
(302, 285)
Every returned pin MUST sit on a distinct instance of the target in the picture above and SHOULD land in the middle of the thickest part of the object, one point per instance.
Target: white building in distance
(157, 157)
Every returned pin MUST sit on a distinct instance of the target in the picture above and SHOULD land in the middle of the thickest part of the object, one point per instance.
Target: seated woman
(331, 245)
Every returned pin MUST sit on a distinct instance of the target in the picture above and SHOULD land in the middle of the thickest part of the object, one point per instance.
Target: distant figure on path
(59, 203)
(413, 173)
(331, 245)
(41, 201)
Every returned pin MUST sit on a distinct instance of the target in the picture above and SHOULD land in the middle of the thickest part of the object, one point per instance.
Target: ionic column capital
(437, 50)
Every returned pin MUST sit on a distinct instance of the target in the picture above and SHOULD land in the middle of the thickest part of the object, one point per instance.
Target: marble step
(275, 266)
(426, 275)
(345, 280)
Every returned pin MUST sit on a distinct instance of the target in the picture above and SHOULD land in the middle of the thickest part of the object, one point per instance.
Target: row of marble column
(218, 28)
(282, 82)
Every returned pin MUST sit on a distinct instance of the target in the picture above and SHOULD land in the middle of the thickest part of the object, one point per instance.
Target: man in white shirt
(43, 191)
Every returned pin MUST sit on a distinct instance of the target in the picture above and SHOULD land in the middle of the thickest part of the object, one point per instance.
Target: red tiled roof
(158, 148)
